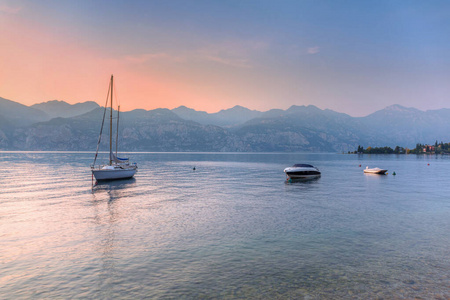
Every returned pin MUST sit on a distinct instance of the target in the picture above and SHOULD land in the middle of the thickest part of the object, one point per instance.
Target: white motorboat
(117, 168)
(375, 171)
(302, 171)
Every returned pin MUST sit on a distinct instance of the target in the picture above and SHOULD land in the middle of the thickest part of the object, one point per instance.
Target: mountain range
(57, 125)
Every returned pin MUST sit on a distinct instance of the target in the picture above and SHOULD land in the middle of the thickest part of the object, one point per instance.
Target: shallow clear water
(233, 228)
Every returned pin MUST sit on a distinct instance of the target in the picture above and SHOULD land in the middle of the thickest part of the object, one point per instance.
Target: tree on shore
(437, 148)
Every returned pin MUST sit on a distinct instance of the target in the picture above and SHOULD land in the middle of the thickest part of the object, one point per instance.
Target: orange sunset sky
(353, 56)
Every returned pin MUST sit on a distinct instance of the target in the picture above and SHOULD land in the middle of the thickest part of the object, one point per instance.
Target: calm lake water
(233, 228)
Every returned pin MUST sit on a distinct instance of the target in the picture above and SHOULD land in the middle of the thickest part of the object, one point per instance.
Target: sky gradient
(354, 57)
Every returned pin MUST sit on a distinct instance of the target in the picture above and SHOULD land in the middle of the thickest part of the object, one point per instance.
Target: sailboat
(117, 168)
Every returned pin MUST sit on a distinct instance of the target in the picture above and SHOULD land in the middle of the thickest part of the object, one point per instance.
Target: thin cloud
(234, 62)
(313, 50)
(235, 47)
(214, 56)
(143, 58)
(235, 53)
(10, 9)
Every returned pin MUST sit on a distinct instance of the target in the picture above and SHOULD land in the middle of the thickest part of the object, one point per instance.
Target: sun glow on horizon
(214, 56)
(44, 66)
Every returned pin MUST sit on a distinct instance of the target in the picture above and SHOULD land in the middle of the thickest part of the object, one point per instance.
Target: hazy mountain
(140, 130)
(407, 126)
(273, 113)
(16, 114)
(299, 128)
(63, 109)
(14, 117)
(225, 118)
(163, 130)
(235, 116)
(190, 114)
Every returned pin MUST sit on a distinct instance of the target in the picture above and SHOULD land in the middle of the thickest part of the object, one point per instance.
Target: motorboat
(375, 171)
(302, 171)
(117, 168)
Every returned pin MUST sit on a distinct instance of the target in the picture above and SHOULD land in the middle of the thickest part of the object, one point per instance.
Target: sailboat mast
(110, 122)
(117, 130)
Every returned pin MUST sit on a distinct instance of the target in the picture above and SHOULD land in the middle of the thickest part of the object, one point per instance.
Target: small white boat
(117, 168)
(302, 171)
(375, 171)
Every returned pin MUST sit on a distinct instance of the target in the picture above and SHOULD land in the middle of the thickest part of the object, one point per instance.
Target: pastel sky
(354, 57)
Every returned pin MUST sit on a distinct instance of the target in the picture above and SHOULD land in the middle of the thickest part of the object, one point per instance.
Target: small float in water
(375, 171)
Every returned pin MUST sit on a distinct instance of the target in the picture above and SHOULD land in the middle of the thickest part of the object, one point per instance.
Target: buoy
(360, 166)
(394, 173)
(428, 164)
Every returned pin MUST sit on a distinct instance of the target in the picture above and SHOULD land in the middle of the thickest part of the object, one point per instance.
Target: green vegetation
(437, 148)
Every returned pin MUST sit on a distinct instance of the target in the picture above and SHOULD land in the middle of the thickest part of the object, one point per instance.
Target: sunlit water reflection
(233, 228)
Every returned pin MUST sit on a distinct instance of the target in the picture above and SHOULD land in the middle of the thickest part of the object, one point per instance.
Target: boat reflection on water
(115, 184)
(116, 189)
(108, 212)
(302, 180)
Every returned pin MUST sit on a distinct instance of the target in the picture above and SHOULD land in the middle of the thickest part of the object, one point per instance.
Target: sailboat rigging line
(110, 121)
(116, 95)
(118, 110)
(101, 128)
(117, 131)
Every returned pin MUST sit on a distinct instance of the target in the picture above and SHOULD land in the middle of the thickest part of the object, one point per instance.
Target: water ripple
(233, 228)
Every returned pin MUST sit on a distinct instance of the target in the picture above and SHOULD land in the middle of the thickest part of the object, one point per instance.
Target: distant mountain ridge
(57, 125)
(17, 114)
(225, 118)
(63, 109)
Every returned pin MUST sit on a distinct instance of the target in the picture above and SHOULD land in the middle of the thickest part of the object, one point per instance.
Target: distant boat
(375, 171)
(302, 171)
(117, 168)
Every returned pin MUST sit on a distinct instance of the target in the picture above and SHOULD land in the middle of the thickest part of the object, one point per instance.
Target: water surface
(233, 228)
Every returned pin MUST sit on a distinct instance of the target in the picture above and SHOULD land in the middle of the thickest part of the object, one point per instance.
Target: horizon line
(237, 105)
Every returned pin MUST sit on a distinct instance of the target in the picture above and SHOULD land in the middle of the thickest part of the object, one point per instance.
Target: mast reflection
(107, 200)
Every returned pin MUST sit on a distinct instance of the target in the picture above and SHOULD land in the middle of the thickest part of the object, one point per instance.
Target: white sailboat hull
(103, 174)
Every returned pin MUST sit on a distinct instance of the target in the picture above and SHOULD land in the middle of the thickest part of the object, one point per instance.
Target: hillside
(55, 108)
(297, 129)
